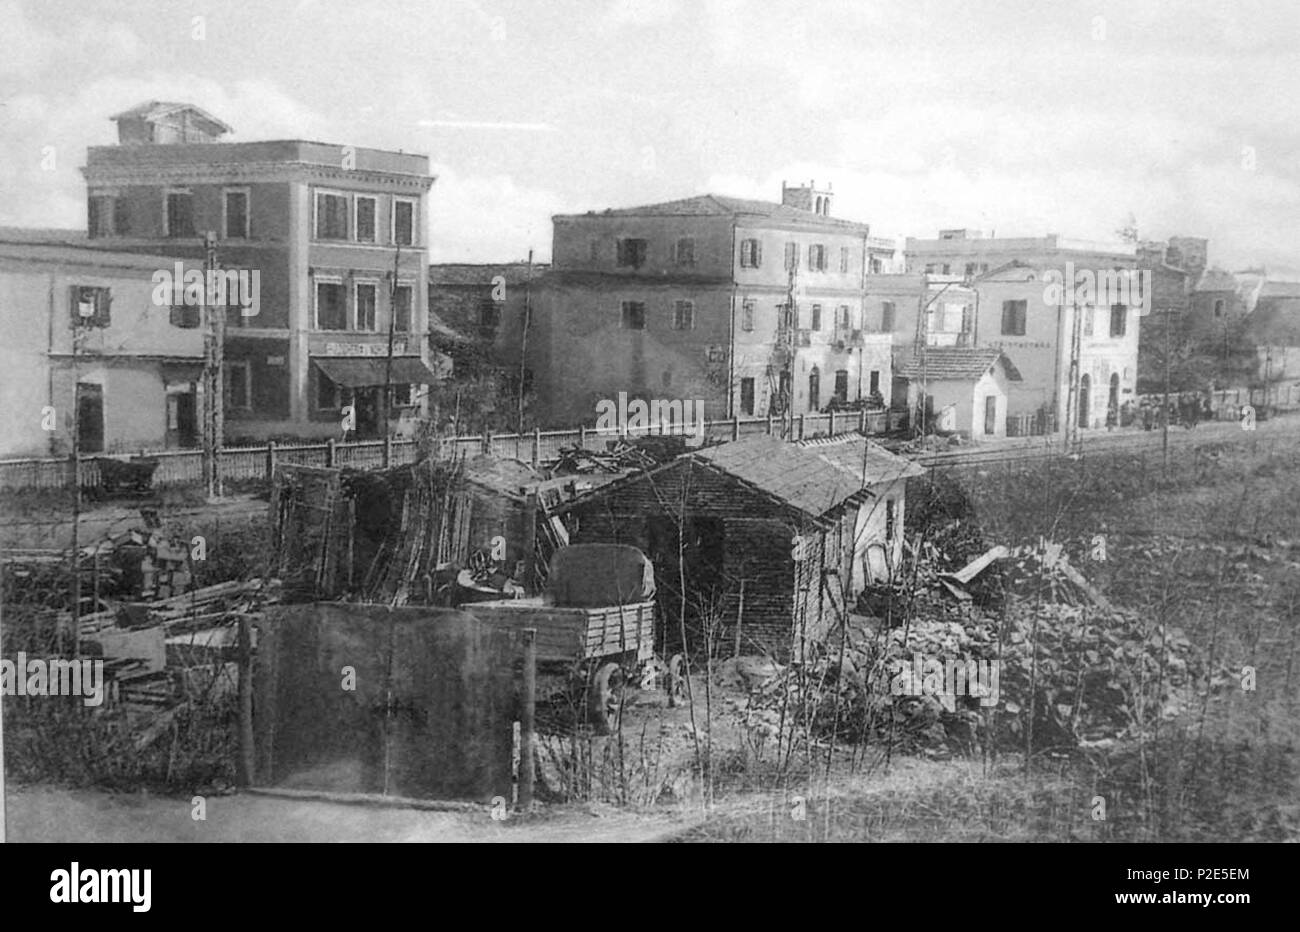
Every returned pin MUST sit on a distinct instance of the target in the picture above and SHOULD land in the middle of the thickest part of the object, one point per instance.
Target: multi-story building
(336, 233)
(752, 307)
(1036, 326)
(88, 347)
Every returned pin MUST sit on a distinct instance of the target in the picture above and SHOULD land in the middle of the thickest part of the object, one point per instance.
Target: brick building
(323, 224)
(749, 306)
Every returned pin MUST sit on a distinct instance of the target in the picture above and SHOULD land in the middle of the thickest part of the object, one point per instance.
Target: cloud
(488, 218)
(30, 48)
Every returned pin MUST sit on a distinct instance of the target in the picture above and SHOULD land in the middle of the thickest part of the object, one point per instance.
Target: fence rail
(257, 463)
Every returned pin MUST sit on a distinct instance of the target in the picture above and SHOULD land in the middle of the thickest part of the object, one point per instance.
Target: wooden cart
(597, 651)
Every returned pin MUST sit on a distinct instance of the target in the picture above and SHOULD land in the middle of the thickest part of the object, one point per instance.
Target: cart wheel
(676, 680)
(605, 698)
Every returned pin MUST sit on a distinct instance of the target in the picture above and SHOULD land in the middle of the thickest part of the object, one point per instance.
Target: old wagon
(595, 629)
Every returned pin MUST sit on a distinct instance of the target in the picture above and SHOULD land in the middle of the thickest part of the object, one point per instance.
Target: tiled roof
(1275, 321)
(955, 362)
(1216, 280)
(463, 273)
(812, 476)
(1280, 290)
(156, 109)
(716, 205)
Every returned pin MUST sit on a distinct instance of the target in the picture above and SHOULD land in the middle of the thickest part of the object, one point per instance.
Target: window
(929, 268)
(784, 316)
(816, 317)
(235, 214)
(1013, 318)
(403, 221)
(631, 252)
(814, 389)
(844, 258)
(845, 320)
(1118, 319)
(633, 315)
(403, 395)
(686, 250)
(841, 385)
(180, 214)
(239, 385)
(90, 306)
(331, 306)
(970, 269)
(99, 215)
(366, 298)
(1088, 314)
(402, 308)
(366, 210)
(331, 216)
(1218, 308)
(947, 269)
(683, 315)
(874, 383)
(817, 258)
(876, 266)
(791, 256)
(186, 316)
(751, 254)
(747, 316)
(747, 396)
(489, 319)
(887, 316)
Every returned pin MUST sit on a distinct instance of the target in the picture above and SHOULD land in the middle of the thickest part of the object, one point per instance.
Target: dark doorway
(990, 414)
(368, 413)
(90, 417)
(1112, 401)
(841, 385)
(183, 420)
(1085, 387)
(814, 389)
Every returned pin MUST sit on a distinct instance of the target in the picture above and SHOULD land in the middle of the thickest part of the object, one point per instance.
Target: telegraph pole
(214, 338)
(523, 340)
(1164, 414)
(392, 326)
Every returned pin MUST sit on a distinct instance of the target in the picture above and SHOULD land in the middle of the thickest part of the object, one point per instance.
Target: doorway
(1112, 401)
(90, 417)
(990, 415)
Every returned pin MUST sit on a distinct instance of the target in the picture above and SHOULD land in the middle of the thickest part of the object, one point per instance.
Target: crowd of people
(1186, 408)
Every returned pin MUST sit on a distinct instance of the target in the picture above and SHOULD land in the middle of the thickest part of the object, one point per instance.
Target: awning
(363, 373)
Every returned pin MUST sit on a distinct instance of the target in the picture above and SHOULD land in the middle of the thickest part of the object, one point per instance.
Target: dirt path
(46, 814)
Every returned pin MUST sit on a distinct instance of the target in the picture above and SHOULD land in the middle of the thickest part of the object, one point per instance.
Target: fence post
(582, 436)
(537, 447)
(801, 417)
(769, 422)
(270, 460)
(329, 453)
(862, 421)
(388, 449)
(735, 427)
(487, 441)
(830, 429)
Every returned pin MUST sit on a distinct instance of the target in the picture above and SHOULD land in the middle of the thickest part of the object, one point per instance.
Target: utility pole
(392, 326)
(214, 339)
(1164, 414)
(1073, 395)
(77, 333)
(523, 340)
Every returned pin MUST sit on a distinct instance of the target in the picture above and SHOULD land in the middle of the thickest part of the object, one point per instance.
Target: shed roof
(959, 363)
(717, 205)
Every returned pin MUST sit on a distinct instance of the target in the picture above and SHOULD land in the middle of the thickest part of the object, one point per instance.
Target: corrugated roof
(717, 205)
(812, 476)
(955, 362)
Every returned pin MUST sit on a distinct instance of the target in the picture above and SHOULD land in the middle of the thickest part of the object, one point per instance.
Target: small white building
(965, 388)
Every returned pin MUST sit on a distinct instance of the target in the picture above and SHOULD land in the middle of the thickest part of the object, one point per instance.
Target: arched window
(818, 209)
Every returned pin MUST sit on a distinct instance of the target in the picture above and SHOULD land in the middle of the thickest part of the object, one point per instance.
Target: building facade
(89, 349)
(337, 235)
(1041, 331)
(752, 307)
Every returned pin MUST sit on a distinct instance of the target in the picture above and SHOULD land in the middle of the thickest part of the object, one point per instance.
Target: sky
(1015, 117)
